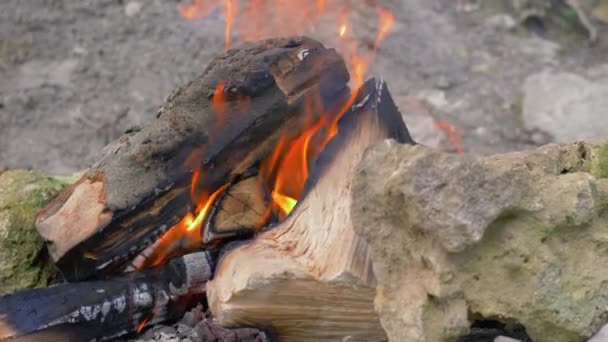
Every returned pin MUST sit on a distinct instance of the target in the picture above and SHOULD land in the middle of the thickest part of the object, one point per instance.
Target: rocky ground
(488, 76)
(76, 74)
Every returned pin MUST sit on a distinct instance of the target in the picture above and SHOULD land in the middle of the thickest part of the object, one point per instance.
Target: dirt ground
(75, 74)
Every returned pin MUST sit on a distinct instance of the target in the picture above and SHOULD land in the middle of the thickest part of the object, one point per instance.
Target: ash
(199, 326)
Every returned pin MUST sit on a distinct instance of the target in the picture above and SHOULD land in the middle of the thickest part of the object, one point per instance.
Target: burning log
(310, 278)
(229, 154)
(224, 123)
(106, 308)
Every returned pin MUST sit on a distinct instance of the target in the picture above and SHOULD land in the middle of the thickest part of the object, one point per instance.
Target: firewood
(310, 278)
(222, 123)
(242, 207)
(106, 308)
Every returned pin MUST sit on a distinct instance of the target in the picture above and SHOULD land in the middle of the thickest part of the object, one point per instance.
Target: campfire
(237, 196)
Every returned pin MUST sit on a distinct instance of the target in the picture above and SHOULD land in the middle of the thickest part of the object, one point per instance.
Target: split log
(310, 278)
(106, 308)
(223, 123)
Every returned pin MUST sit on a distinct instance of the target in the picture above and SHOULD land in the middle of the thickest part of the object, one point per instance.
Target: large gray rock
(520, 237)
(22, 257)
(567, 106)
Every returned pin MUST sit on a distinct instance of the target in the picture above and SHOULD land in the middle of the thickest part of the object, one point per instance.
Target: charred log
(224, 123)
(106, 308)
(315, 268)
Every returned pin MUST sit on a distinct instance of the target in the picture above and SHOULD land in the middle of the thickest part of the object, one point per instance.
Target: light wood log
(310, 278)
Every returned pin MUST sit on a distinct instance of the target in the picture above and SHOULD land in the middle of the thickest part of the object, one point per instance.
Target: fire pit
(237, 196)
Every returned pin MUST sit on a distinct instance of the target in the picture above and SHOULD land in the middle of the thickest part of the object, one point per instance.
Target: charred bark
(106, 308)
(222, 123)
(317, 271)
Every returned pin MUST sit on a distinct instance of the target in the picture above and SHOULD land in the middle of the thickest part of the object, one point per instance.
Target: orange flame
(186, 234)
(219, 104)
(387, 21)
(229, 14)
(343, 24)
(198, 9)
(285, 203)
(453, 135)
(142, 325)
(286, 168)
(290, 160)
(321, 5)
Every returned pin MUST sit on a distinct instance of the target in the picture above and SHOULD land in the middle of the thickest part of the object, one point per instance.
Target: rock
(501, 21)
(38, 73)
(518, 237)
(505, 339)
(443, 82)
(159, 333)
(417, 114)
(23, 262)
(132, 8)
(600, 11)
(540, 48)
(565, 105)
(433, 97)
(601, 336)
(198, 326)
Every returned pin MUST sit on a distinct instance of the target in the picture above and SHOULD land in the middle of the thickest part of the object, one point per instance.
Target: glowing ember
(141, 325)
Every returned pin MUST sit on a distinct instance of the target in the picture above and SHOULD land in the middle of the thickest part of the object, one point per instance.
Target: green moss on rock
(23, 261)
(599, 161)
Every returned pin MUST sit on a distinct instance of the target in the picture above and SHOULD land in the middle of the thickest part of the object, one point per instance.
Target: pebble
(600, 12)
(435, 98)
(601, 336)
(501, 21)
(505, 339)
(444, 83)
(182, 328)
(567, 106)
(132, 8)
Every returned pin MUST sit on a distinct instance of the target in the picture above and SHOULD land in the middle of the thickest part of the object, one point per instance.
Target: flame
(343, 28)
(261, 18)
(290, 160)
(142, 325)
(229, 14)
(285, 203)
(219, 103)
(285, 171)
(321, 5)
(343, 24)
(453, 135)
(387, 21)
(198, 9)
(186, 234)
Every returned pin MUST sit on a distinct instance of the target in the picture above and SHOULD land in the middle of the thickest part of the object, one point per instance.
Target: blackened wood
(107, 308)
(223, 123)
